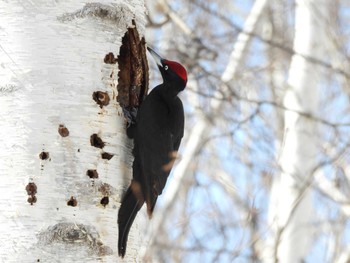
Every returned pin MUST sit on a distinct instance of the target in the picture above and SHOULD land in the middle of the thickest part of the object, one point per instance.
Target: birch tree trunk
(60, 194)
(291, 203)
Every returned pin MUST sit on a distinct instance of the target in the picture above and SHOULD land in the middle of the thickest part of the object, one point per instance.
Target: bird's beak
(156, 57)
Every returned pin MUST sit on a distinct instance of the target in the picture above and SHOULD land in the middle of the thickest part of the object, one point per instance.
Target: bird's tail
(126, 216)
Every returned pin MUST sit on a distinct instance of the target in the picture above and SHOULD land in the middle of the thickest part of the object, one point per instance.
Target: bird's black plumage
(157, 136)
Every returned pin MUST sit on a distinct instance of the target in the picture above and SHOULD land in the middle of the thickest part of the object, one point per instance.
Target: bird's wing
(156, 145)
(156, 166)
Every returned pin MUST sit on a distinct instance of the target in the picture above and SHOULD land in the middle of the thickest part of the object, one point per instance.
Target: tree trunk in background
(52, 61)
(291, 202)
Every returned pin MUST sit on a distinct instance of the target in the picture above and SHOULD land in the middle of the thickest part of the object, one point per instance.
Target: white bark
(291, 204)
(51, 63)
(333, 192)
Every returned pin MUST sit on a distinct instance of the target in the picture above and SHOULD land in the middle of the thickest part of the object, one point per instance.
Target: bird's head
(172, 71)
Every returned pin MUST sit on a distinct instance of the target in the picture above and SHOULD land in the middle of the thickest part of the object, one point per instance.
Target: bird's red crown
(177, 68)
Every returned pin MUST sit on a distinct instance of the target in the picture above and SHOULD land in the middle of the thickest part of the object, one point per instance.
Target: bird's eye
(166, 67)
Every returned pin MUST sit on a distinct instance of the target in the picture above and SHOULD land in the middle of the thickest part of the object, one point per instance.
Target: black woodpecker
(157, 136)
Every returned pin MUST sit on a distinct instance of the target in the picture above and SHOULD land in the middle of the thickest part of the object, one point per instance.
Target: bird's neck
(167, 91)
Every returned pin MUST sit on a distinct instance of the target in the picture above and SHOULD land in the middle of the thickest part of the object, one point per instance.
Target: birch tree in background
(65, 160)
(291, 209)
